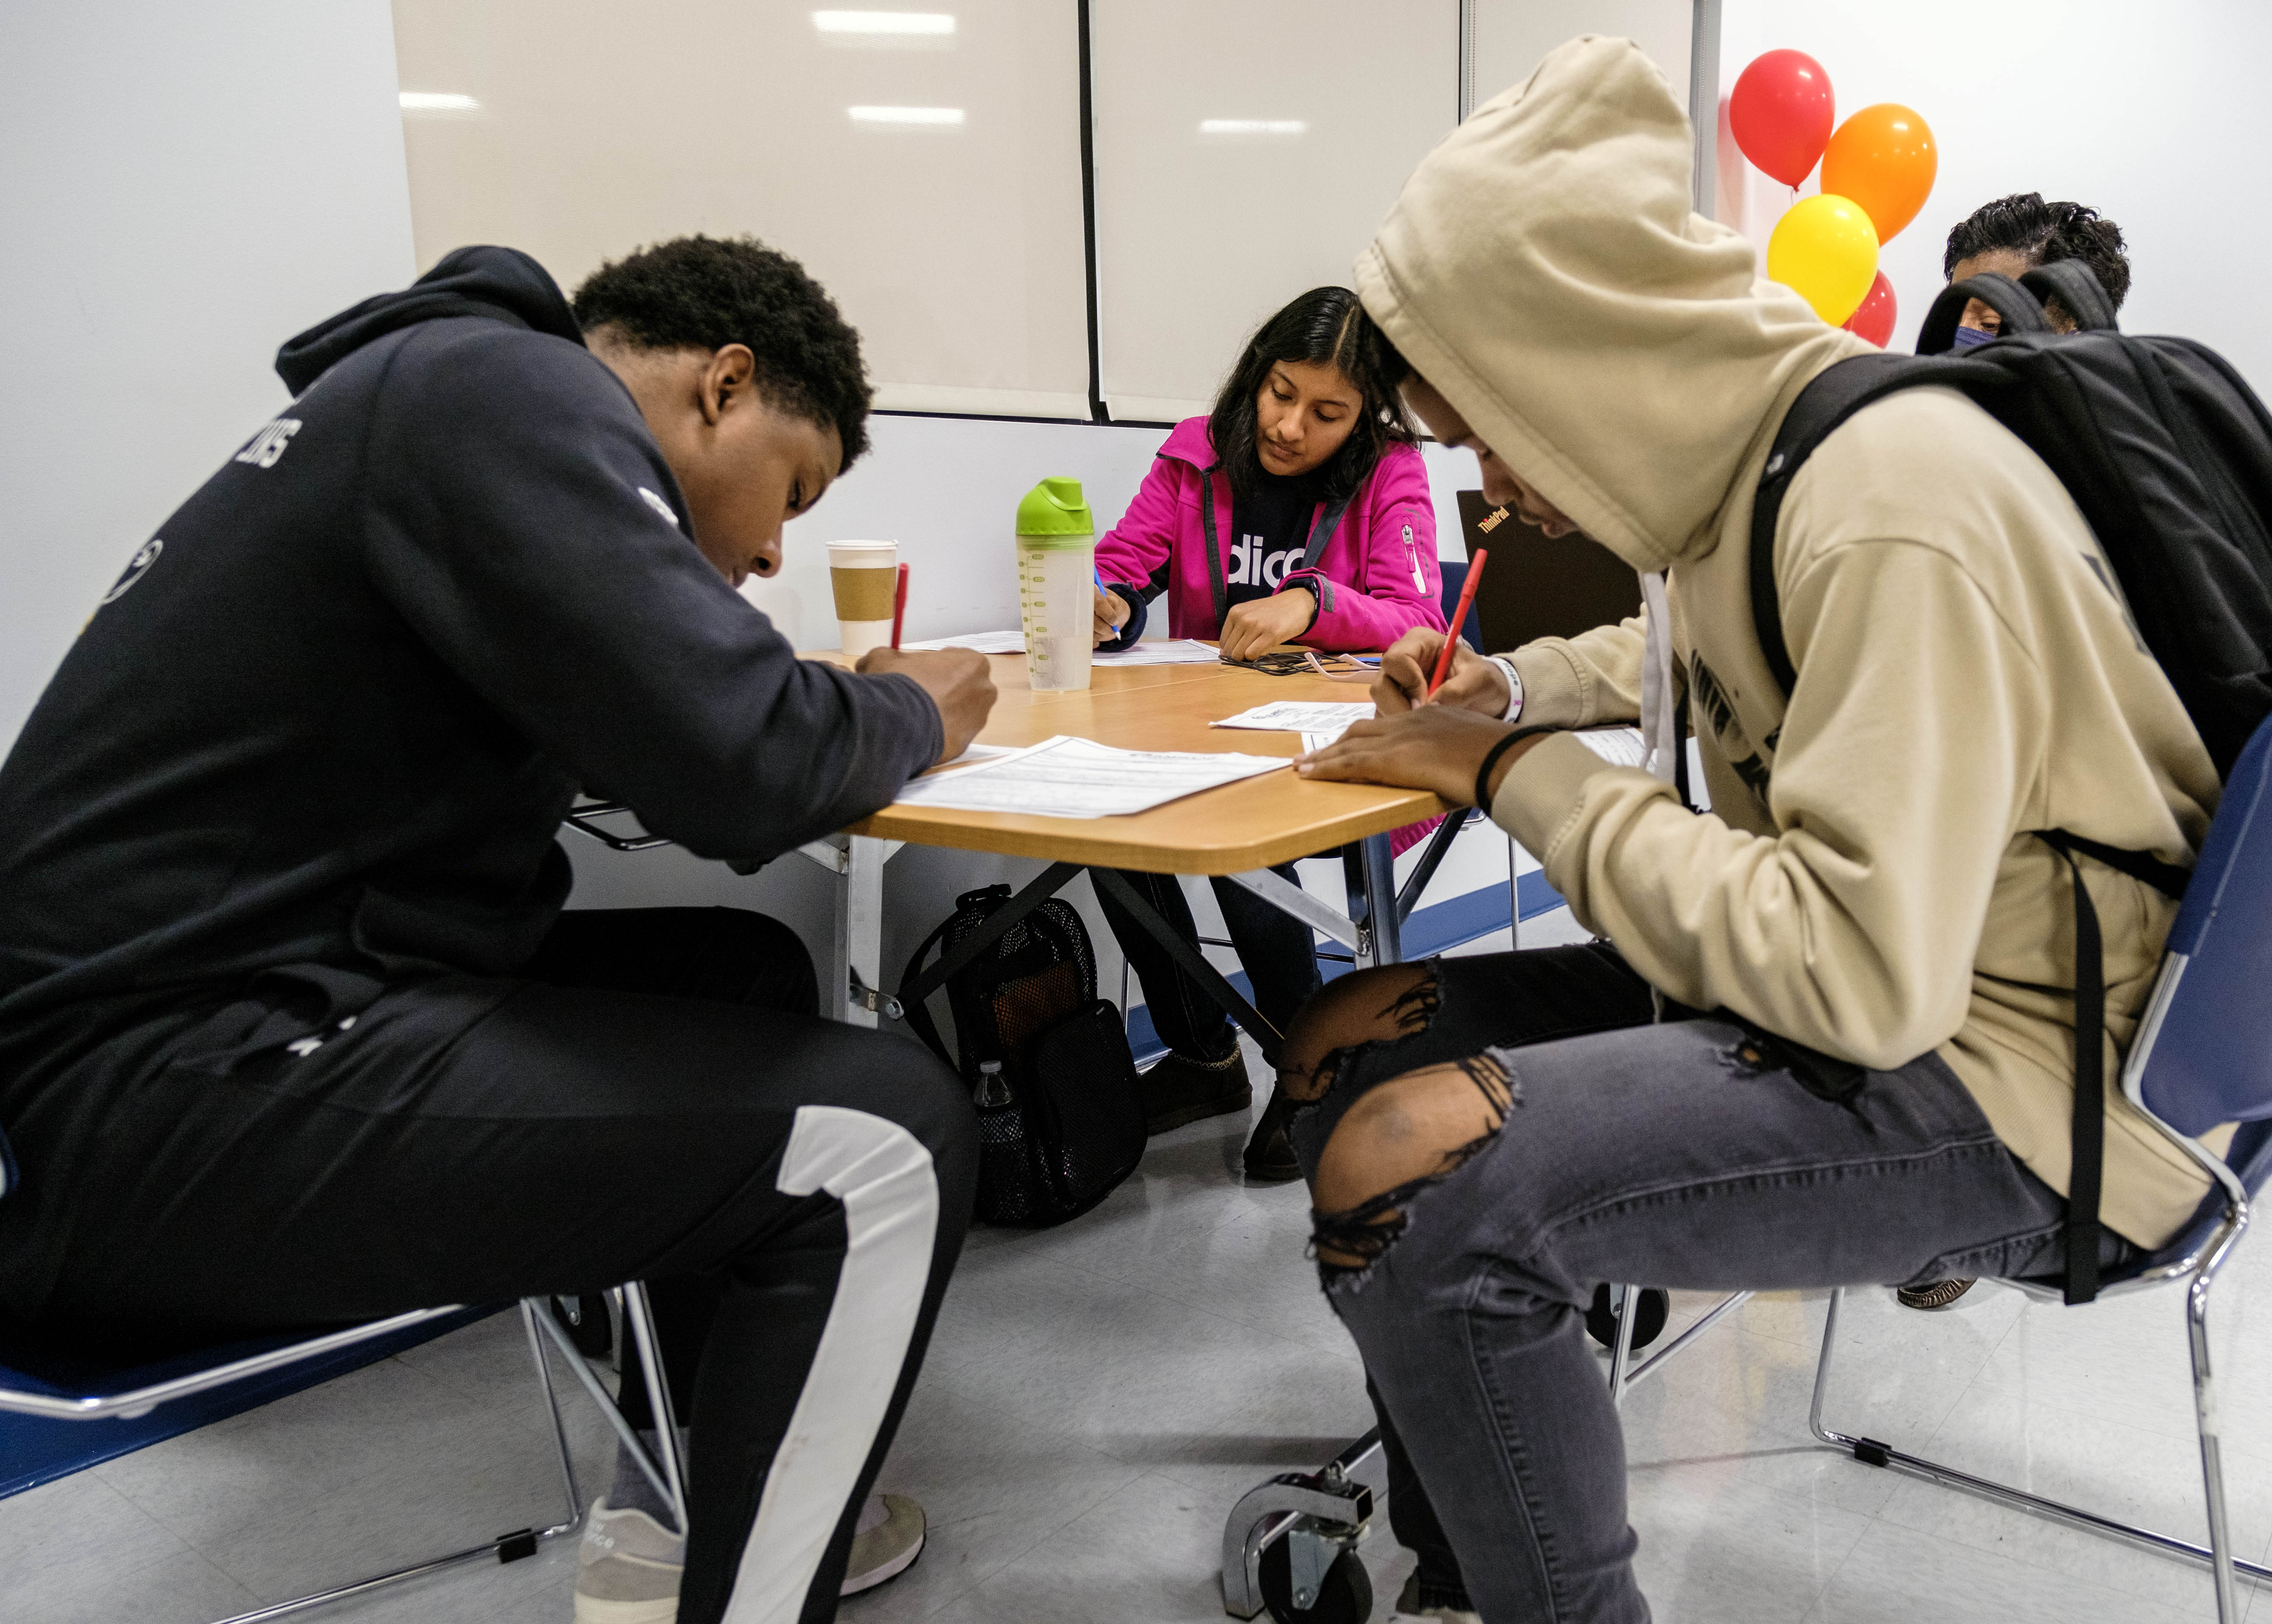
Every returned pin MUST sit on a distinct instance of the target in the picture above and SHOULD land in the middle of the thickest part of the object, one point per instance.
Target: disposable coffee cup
(863, 575)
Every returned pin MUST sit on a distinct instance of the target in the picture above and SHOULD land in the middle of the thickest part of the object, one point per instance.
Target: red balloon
(1782, 112)
(1874, 318)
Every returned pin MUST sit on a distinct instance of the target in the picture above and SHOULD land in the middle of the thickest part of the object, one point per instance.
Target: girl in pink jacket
(1298, 513)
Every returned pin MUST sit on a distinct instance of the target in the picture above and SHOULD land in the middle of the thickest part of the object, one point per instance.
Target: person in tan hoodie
(1828, 1037)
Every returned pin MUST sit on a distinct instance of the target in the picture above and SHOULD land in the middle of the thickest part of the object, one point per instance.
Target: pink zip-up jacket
(1374, 577)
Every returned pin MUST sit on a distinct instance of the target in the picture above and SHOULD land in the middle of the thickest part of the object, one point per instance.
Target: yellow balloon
(1825, 249)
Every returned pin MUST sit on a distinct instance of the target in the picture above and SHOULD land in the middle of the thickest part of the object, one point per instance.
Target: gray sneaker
(627, 1569)
(885, 1542)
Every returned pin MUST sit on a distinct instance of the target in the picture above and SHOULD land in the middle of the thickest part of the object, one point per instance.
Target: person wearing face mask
(2013, 235)
(1297, 512)
(293, 1029)
(1826, 1034)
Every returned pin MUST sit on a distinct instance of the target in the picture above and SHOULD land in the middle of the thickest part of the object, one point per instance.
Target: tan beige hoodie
(1865, 882)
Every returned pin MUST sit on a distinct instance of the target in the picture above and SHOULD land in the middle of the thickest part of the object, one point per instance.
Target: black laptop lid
(1538, 585)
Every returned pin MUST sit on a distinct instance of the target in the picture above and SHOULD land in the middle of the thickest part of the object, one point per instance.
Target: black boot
(1181, 1089)
(1269, 1158)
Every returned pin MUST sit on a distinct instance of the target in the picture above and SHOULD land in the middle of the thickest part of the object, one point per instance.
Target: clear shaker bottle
(1057, 583)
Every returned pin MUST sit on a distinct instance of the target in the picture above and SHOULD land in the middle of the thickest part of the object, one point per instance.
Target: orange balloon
(1883, 158)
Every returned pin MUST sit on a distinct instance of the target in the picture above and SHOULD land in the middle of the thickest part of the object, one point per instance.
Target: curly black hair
(710, 292)
(2045, 232)
(1324, 325)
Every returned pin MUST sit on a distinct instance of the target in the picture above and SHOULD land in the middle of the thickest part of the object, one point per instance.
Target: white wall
(183, 187)
(2153, 115)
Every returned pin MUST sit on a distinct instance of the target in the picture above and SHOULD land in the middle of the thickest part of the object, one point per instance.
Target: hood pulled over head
(500, 283)
(1544, 271)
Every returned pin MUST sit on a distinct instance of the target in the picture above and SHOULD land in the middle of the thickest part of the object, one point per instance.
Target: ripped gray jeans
(1696, 1154)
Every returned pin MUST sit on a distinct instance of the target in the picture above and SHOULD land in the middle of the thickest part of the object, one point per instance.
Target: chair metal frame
(668, 1474)
(2195, 1257)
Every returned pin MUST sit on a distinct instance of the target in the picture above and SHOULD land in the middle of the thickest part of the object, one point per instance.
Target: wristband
(1490, 760)
(1514, 687)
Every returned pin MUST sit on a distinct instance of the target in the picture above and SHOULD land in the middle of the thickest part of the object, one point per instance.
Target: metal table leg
(852, 990)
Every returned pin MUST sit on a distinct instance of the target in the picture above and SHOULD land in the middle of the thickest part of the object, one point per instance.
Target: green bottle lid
(1055, 507)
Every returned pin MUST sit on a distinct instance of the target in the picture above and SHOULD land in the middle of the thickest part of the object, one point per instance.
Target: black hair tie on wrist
(1491, 759)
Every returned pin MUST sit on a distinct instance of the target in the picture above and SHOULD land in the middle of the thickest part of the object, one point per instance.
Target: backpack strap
(2087, 1141)
(1835, 394)
(2077, 288)
(2015, 307)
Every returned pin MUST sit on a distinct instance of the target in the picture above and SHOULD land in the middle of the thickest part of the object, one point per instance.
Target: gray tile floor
(1098, 1396)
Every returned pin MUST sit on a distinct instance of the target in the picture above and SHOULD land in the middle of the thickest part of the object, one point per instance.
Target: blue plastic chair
(58, 1385)
(2203, 1055)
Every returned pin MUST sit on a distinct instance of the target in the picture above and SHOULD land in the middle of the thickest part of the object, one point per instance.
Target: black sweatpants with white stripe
(651, 1099)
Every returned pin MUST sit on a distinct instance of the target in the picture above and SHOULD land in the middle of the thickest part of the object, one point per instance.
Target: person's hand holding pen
(1474, 684)
(1112, 611)
(1441, 725)
(1421, 741)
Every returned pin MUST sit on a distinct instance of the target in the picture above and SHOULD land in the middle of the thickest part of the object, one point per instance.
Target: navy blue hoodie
(332, 713)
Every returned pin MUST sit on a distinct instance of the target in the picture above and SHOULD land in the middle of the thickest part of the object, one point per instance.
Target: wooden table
(1252, 824)
(1240, 829)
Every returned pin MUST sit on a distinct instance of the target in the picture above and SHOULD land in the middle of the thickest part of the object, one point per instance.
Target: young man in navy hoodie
(293, 1030)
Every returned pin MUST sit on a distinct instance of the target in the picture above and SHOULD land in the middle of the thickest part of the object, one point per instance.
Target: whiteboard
(1512, 36)
(926, 167)
(1246, 152)
(930, 179)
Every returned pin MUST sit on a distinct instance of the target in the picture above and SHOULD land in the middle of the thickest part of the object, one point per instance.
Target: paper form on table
(1065, 777)
(1620, 747)
(975, 754)
(983, 642)
(1300, 716)
(1163, 652)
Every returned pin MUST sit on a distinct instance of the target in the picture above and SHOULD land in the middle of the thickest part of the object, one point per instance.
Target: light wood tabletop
(1240, 827)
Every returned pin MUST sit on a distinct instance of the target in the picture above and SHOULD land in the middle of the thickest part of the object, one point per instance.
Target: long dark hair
(1326, 326)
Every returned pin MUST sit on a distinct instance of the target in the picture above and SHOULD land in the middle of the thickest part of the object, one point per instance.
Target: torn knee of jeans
(1350, 1015)
(1347, 1242)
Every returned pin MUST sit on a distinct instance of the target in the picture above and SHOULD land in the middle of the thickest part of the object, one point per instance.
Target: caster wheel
(585, 1321)
(1602, 1322)
(1345, 1597)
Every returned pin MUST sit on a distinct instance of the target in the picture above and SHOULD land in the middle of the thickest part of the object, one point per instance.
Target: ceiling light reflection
(438, 101)
(933, 116)
(925, 22)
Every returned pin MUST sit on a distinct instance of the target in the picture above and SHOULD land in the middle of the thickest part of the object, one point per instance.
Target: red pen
(1459, 618)
(899, 605)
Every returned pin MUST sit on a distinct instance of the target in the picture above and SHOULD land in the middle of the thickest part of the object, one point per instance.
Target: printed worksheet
(1163, 652)
(1300, 716)
(984, 642)
(1620, 747)
(976, 753)
(1065, 777)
